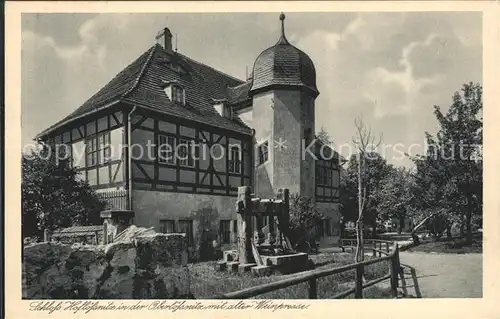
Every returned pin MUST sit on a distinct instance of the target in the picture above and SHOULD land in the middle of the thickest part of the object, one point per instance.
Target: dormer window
(178, 94)
(223, 108)
(175, 92)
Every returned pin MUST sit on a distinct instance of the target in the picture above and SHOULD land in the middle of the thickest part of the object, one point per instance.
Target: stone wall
(146, 267)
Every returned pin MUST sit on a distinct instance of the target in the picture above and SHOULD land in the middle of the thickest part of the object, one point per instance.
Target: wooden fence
(389, 249)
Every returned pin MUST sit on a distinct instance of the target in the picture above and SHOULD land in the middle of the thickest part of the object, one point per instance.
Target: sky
(388, 68)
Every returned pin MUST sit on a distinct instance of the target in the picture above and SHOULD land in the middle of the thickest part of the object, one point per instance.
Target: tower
(283, 93)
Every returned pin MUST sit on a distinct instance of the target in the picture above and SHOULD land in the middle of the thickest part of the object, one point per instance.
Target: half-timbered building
(172, 138)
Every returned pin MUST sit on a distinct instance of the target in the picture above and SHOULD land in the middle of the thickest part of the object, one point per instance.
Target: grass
(206, 282)
(452, 246)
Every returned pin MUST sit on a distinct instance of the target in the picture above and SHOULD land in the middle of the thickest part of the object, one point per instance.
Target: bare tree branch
(363, 140)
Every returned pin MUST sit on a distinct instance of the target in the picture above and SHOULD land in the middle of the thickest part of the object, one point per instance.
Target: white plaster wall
(206, 211)
(246, 115)
(263, 119)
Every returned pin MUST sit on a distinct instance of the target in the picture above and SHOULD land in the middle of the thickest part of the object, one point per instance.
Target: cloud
(395, 92)
(390, 67)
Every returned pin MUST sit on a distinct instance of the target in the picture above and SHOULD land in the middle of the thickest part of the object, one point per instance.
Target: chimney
(164, 37)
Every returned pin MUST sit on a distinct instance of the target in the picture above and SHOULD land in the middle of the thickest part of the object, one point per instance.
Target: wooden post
(284, 213)
(313, 291)
(415, 282)
(46, 235)
(403, 281)
(105, 233)
(358, 292)
(258, 230)
(374, 247)
(394, 271)
(244, 209)
(386, 246)
(380, 249)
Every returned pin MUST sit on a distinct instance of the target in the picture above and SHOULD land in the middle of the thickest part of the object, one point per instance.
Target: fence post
(386, 246)
(374, 247)
(394, 271)
(105, 233)
(358, 292)
(380, 249)
(313, 291)
(46, 235)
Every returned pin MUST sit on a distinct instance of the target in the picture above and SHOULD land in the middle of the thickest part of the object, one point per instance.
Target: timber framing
(214, 178)
(327, 192)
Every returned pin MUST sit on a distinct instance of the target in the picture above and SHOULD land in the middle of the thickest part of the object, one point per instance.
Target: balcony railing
(115, 200)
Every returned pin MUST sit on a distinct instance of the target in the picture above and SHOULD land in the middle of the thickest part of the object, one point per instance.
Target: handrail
(312, 275)
(366, 285)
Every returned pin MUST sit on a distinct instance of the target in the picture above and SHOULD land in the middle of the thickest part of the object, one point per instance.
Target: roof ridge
(239, 85)
(212, 68)
(141, 73)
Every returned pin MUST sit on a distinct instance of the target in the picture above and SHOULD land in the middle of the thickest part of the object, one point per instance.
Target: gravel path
(445, 275)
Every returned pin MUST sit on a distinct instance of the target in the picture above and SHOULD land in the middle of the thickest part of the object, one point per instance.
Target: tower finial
(282, 39)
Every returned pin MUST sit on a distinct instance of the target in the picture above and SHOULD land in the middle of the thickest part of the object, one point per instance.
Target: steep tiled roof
(141, 83)
(239, 94)
(78, 231)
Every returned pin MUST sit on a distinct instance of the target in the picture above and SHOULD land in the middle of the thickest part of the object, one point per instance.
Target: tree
(395, 197)
(365, 144)
(449, 175)
(324, 136)
(304, 216)
(348, 192)
(53, 197)
(375, 172)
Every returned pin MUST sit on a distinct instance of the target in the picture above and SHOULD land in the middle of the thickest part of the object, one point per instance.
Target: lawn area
(206, 282)
(452, 246)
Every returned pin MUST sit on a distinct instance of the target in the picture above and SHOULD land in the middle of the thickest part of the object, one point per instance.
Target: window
(263, 152)
(235, 227)
(307, 136)
(64, 155)
(225, 231)
(235, 160)
(184, 153)
(186, 227)
(324, 175)
(328, 177)
(166, 147)
(319, 174)
(98, 149)
(104, 148)
(177, 94)
(167, 226)
(92, 152)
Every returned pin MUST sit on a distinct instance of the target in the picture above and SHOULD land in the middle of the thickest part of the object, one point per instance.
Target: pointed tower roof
(284, 65)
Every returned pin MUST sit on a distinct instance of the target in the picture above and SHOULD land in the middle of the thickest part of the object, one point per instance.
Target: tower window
(263, 152)
(307, 136)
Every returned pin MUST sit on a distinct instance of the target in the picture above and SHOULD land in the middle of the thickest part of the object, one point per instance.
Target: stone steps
(236, 267)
